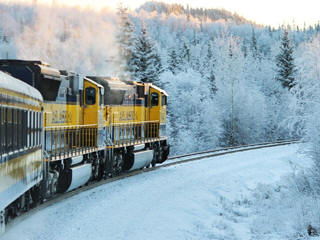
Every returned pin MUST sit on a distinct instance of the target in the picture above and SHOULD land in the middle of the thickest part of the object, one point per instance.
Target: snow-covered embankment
(208, 199)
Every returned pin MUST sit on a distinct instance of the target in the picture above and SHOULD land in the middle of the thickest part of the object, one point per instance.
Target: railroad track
(174, 160)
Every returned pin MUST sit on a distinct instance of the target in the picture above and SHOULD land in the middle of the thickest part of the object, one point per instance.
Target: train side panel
(21, 166)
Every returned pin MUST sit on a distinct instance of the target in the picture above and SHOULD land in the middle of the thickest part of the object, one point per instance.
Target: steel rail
(171, 161)
(233, 147)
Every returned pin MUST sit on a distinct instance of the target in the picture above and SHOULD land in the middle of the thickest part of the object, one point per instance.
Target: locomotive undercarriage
(23, 204)
(68, 174)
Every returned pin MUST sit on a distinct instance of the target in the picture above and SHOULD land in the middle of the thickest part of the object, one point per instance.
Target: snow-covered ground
(208, 199)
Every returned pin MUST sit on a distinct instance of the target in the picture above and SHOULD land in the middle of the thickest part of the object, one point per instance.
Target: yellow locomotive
(92, 127)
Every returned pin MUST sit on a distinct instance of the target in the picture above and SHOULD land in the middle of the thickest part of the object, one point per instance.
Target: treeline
(229, 83)
(202, 14)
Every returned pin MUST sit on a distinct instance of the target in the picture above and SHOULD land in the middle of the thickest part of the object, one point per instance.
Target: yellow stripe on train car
(19, 168)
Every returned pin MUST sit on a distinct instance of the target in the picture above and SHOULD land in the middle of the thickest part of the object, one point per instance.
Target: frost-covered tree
(193, 116)
(253, 45)
(208, 66)
(174, 61)
(286, 69)
(145, 61)
(185, 55)
(307, 92)
(125, 38)
(242, 103)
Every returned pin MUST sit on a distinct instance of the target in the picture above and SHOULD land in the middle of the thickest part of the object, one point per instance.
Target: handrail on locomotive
(71, 141)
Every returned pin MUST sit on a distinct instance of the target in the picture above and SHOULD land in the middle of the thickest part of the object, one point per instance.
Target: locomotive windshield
(164, 100)
(90, 96)
(154, 99)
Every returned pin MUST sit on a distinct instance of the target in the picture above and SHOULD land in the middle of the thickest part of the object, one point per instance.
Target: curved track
(175, 160)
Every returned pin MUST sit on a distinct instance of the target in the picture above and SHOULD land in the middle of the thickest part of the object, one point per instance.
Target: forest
(230, 81)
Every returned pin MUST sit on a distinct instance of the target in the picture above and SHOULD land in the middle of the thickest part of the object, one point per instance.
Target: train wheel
(156, 154)
(118, 163)
(6, 216)
(35, 195)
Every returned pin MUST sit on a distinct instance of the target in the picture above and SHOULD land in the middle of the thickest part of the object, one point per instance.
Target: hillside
(199, 13)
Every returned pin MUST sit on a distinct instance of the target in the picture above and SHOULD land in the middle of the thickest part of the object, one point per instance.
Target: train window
(164, 100)
(37, 128)
(15, 129)
(29, 129)
(140, 91)
(25, 128)
(101, 99)
(4, 130)
(33, 127)
(90, 96)
(154, 99)
(18, 128)
(9, 129)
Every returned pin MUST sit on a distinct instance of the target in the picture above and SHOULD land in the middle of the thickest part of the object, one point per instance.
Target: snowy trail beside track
(207, 199)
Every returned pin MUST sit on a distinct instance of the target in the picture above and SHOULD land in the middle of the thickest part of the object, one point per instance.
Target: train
(60, 130)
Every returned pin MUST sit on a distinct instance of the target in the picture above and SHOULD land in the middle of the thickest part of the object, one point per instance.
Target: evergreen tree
(285, 63)
(208, 69)
(146, 61)
(253, 45)
(125, 39)
(212, 82)
(174, 62)
(208, 60)
(185, 53)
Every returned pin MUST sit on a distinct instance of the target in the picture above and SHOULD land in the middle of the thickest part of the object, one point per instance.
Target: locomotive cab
(157, 104)
(154, 104)
(93, 101)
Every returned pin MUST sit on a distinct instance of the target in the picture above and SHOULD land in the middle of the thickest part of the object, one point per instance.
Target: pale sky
(271, 12)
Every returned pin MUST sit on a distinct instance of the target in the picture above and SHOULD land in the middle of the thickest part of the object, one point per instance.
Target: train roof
(12, 84)
(24, 61)
(160, 90)
(43, 67)
(110, 83)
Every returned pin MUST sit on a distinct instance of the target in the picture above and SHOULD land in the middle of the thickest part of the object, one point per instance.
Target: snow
(207, 199)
